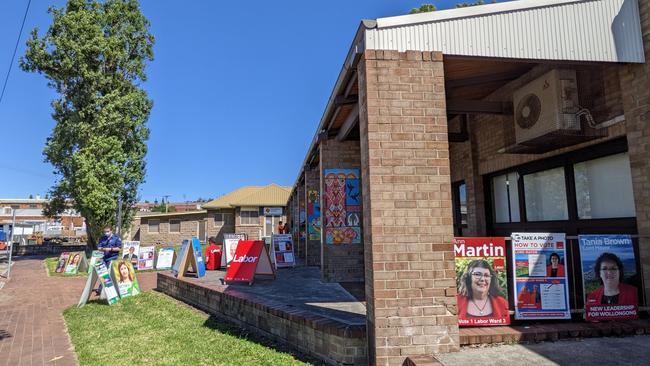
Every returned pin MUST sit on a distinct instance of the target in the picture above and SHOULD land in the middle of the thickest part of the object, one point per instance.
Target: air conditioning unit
(546, 108)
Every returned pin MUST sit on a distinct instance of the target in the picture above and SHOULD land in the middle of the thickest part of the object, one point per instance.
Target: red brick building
(432, 123)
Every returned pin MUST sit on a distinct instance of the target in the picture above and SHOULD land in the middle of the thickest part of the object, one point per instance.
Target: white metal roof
(576, 30)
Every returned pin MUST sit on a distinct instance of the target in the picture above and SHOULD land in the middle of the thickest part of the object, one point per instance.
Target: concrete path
(592, 351)
(32, 329)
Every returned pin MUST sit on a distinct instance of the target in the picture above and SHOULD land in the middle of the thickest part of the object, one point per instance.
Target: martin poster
(481, 281)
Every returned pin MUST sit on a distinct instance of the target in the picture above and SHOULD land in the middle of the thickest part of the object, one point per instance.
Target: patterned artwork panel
(313, 215)
(342, 206)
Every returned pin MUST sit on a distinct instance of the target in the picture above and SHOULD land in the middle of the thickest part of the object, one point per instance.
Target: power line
(13, 57)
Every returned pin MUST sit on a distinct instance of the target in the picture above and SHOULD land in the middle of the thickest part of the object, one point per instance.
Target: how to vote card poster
(540, 278)
(282, 250)
(481, 280)
(146, 258)
(165, 258)
(124, 278)
(99, 272)
(230, 242)
(608, 272)
(97, 255)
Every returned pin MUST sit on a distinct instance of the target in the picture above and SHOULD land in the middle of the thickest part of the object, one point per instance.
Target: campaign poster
(608, 270)
(97, 255)
(182, 253)
(72, 267)
(481, 280)
(130, 251)
(165, 258)
(230, 242)
(146, 258)
(251, 259)
(282, 251)
(124, 278)
(540, 277)
(108, 287)
(63, 260)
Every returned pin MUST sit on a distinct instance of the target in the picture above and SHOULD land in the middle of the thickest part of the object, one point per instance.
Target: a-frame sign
(99, 273)
(251, 258)
(190, 260)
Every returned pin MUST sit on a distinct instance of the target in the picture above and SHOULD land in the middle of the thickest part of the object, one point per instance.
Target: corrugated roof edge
(470, 11)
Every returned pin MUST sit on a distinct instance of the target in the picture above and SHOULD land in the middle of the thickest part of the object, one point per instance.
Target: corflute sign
(251, 258)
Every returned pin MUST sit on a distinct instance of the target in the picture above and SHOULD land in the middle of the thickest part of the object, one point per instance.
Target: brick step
(551, 332)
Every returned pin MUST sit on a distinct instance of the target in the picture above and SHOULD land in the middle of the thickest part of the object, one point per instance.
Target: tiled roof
(270, 195)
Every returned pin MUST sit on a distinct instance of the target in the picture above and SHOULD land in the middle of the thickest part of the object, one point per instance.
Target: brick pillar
(410, 278)
(312, 188)
(344, 262)
(635, 86)
(300, 248)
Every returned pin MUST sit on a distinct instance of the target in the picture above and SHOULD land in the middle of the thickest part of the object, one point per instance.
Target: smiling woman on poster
(555, 269)
(126, 283)
(479, 295)
(609, 269)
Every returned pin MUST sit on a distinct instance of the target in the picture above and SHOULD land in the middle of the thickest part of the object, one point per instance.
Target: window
(249, 216)
(174, 226)
(604, 188)
(505, 198)
(218, 219)
(7, 210)
(459, 204)
(545, 195)
(32, 206)
(154, 226)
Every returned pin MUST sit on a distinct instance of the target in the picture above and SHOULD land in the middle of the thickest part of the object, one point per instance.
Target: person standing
(110, 244)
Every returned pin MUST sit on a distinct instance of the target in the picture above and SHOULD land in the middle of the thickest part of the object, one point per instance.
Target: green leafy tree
(424, 8)
(163, 209)
(94, 55)
(479, 2)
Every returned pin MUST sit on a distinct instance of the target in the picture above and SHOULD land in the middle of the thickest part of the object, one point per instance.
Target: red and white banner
(481, 281)
(250, 258)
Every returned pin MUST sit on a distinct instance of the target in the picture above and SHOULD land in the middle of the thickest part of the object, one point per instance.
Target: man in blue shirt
(110, 244)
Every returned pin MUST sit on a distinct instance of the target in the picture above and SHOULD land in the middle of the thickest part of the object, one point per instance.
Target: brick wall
(340, 263)
(332, 342)
(218, 228)
(189, 227)
(312, 182)
(635, 84)
(410, 278)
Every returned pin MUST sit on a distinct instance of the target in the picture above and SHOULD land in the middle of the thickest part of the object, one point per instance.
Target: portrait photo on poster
(609, 277)
(481, 280)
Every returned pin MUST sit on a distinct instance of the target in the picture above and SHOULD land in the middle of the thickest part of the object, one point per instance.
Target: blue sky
(238, 91)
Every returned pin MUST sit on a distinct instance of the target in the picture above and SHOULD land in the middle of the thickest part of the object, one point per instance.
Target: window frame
(456, 207)
(149, 226)
(573, 225)
(249, 209)
(170, 225)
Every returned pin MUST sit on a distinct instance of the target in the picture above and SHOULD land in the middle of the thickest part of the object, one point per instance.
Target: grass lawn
(50, 264)
(153, 329)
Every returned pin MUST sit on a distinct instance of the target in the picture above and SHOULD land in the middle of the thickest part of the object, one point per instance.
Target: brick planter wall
(334, 343)
(46, 249)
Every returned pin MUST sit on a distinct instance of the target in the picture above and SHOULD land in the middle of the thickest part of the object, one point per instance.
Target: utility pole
(166, 199)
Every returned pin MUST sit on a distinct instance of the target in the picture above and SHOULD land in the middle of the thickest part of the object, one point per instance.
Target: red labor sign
(250, 259)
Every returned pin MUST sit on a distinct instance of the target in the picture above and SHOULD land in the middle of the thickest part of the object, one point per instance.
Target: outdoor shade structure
(435, 128)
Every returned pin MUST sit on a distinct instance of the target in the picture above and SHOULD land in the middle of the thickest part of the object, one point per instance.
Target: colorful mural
(342, 199)
(313, 214)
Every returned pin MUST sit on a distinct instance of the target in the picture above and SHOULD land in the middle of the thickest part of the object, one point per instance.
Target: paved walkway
(32, 329)
(623, 351)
